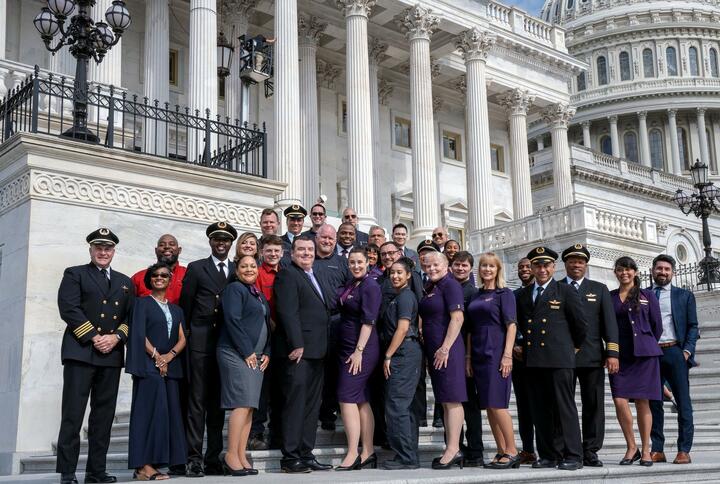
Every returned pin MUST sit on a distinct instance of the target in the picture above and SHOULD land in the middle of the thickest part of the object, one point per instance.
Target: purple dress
(359, 304)
(440, 299)
(639, 330)
(489, 312)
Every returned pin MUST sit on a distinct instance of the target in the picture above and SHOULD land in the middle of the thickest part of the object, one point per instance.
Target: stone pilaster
(419, 24)
(614, 137)
(558, 117)
(674, 166)
(702, 136)
(644, 140)
(587, 142)
(377, 50)
(109, 71)
(156, 74)
(516, 103)
(237, 93)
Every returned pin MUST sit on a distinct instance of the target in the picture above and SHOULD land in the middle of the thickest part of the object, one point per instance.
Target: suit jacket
(244, 315)
(553, 327)
(602, 325)
(200, 302)
(684, 314)
(90, 308)
(411, 254)
(361, 238)
(332, 274)
(303, 315)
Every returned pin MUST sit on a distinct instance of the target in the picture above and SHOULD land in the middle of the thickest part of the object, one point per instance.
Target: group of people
(291, 330)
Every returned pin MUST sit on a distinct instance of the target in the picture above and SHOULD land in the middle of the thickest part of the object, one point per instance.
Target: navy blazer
(243, 318)
(645, 320)
(684, 314)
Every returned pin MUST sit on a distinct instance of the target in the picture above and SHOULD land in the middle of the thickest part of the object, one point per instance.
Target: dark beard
(171, 261)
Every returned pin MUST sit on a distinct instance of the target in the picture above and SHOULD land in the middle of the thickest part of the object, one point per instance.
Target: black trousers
(302, 383)
(402, 423)
(473, 448)
(204, 408)
(552, 393)
(80, 382)
(592, 395)
(522, 402)
(420, 399)
(260, 415)
(276, 396)
(330, 407)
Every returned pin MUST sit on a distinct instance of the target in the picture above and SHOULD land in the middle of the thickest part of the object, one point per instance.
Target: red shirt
(173, 290)
(264, 283)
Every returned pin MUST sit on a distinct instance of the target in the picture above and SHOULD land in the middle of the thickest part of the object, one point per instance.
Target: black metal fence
(43, 104)
(689, 276)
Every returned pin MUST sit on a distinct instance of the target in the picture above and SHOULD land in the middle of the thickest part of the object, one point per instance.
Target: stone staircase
(705, 391)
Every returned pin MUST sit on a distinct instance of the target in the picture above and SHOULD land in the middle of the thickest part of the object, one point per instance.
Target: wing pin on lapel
(554, 304)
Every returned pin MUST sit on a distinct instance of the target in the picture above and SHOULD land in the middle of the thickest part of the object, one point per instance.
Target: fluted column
(3, 30)
(674, 167)
(377, 50)
(157, 77)
(614, 141)
(287, 102)
(237, 93)
(644, 140)
(516, 103)
(558, 116)
(419, 24)
(109, 71)
(202, 85)
(361, 190)
(310, 29)
(702, 136)
(587, 142)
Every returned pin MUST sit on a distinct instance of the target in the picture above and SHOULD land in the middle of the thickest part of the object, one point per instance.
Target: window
(173, 67)
(452, 146)
(657, 159)
(401, 132)
(714, 63)
(630, 142)
(342, 115)
(581, 82)
(648, 63)
(570, 4)
(671, 60)
(602, 70)
(457, 233)
(693, 55)
(606, 145)
(681, 254)
(625, 73)
(497, 158)
(683, 148)
(221, 88)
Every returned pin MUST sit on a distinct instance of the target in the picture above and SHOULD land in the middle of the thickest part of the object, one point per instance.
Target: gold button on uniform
(215, 310)
(114, 317)
(634, 334)
(542, 344)
(528, 331)
(544, 320)
(529, 320)
(104, 301)
(117, 303)
(543, 331)
(102, 315)
(529, 343)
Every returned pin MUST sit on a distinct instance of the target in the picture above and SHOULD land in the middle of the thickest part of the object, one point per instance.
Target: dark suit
(361, 238)
(601, 341)
(553, 326)
(90, 307)
(411, 254)
(200, 300)
(302, 322)
(520, 383)
(675, 370)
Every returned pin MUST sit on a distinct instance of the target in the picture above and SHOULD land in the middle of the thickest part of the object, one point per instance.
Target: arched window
(625, 72)
(657, 158)
(683, 148)
(714, 63)
(693, 55)
(570, 4)
(631, 151)
(606, 145)
(581, 82)
(648, 63)
(602, 70)
(671, 60)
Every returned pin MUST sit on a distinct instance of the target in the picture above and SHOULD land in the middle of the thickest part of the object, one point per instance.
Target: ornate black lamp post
(86, 39)
(702, 202)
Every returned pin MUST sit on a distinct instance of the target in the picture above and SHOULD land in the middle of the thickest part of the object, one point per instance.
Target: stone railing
(645, 87)
(12, 74)
(525, 25)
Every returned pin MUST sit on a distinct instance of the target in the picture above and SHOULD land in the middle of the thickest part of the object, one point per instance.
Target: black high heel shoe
(251, 471)
(627, 462)
(352, 467)
(492, 462)
(459, 459)
(229, 471)
(370, 462)
(513, 462)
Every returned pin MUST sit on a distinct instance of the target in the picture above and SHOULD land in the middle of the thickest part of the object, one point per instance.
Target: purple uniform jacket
(646, 321)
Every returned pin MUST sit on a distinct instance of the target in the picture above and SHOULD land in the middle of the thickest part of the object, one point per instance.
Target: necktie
(221, 277)
(105, 275)
(538, 292)
(425, 278)
(657, 292)
(316, 284)
(345, 253)
(576, 285)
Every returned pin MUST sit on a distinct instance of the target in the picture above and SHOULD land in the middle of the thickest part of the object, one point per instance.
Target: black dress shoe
(328, 426)
(194, 469)
(544, 464)
(396, 465)
(646, 463)
(251, 471)
(370, 462)
(314, 465)
(592, 461)
(458, 459)
(474, 462)
(294, 467)
(355, 466)
(68, 478)
(176, 470)
(570, 465)
(438, 423)
(512, 462)
(627, 462)
(95, 478)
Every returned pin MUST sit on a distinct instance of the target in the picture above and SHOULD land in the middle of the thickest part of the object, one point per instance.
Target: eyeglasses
(351, 216)
(439, 234)
(318, 214)
(162, 275)
(389, 253)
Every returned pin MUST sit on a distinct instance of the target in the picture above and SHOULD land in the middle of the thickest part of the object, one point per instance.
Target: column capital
(671, 113)
(475, 44)
(327, 73)
(310, 29)
(377, 49)
(435, 67)
(418, 22)
(461, 84)
(517, 101)
(558, 115)
(385, 90)
(355, 7)
(642, 114)
(613, 119)
(586, 124)
(437, 103)
(236, 11)
(701, 111)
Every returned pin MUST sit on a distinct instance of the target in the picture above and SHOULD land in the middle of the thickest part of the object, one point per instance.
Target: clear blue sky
(531, 6)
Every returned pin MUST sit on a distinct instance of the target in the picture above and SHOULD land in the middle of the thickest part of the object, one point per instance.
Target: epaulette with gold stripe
(613, 347)
(83, 329)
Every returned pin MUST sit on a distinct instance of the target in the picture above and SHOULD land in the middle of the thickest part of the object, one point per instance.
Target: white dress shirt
(217, 261)
(666, 313)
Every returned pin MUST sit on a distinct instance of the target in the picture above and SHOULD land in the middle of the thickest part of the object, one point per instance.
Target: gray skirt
(239, 385)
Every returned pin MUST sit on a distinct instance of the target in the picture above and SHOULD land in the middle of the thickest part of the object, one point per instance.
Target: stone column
(715, 123)
(419, 24)
(558, 116)
(156, 74)
(614, 141)
(376, 51)
(516, 103)
(237, 93)
(310, 29)
(644, 140)
(702, 136)
(109, 71)
(675, 167)
(361, 190)
(586, 135)
(3, 30)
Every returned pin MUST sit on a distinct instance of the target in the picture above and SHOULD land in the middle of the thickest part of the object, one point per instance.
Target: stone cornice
(475, 44)
(418, 22)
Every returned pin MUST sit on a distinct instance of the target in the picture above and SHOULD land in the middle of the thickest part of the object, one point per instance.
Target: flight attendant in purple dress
(640, 327)
(441, 310)
(493, 323)
(359, 352)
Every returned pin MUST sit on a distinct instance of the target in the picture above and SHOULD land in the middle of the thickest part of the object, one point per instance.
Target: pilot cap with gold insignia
(428, 244)
(295, 211)
(221, 228)
(542, 254)
(102, 236)
(577, 250)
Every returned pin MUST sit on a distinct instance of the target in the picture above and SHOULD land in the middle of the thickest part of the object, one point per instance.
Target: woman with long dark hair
(640, 328)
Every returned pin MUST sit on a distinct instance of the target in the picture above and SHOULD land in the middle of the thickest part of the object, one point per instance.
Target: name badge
(554, 304)
(591, 297)
(644, 302)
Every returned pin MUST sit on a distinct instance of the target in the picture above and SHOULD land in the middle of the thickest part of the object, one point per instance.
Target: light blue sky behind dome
(530, 6)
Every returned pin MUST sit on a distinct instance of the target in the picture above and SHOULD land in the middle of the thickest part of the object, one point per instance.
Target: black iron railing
(689, 276)
(43, 104)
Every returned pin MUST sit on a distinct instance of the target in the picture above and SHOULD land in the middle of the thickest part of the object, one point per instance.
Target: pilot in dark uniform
(599, 350)
(554, 327)
(94, 301)
(294, 219)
